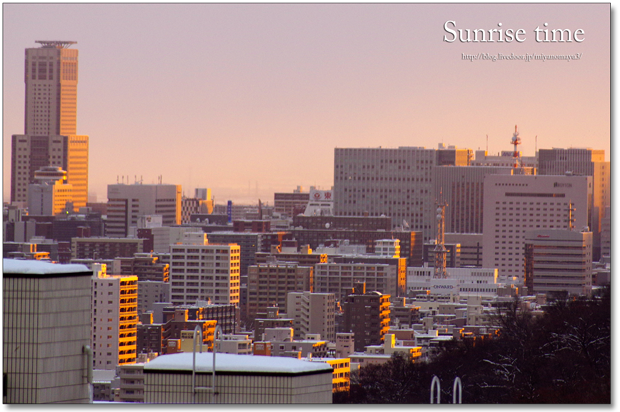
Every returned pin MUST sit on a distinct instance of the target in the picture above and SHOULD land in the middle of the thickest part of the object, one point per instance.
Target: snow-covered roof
(35, 267)
(231, 363)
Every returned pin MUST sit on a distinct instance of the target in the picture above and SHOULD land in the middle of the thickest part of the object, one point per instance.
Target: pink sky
(252, 99)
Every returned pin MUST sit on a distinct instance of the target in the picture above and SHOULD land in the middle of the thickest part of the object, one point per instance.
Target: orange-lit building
(115, 319)
(367, 315)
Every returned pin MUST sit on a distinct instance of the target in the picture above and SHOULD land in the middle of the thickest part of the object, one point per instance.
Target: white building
(49, 196)
(203, 271)
(516, 204)
(387, 247)
(235, 344)
(503, 159)
(46, 332)
(115, 318)
(238, 379)
(460, 281)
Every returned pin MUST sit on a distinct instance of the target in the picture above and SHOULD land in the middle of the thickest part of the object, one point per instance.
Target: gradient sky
(252, 99)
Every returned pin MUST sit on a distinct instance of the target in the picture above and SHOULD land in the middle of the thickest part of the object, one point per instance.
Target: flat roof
(13, 267)
(231, 364)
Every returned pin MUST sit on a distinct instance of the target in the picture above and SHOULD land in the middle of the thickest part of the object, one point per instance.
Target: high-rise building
(50, 126)
(583, 162)
(391, 182)
(462, 189)
(126, 203)
(515, 204)
(115, 318)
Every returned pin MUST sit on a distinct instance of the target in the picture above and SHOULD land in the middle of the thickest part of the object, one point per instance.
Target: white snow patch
(225, 362)
(34, 267)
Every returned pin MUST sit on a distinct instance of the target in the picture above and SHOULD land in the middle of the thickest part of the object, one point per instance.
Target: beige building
(312, 313)
(203, 271)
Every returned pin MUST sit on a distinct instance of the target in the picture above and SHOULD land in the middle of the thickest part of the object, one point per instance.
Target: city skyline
(275, 88)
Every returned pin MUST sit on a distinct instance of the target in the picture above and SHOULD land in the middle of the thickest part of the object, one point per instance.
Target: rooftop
(225, 362)
(33, 267)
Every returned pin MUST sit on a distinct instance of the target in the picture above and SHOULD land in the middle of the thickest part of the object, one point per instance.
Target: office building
(558, 261)
(505, 158)
(583, 162)
(471, 247)
(31, 153)
(50, 126)
(461, 188)
(203, 271)
(391, 182)
(127, 202)
(46, 332)
(514, 205)
(115, 318)
(312, 313)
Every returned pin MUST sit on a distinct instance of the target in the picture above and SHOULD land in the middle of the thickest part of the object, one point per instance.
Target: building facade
(203, 271)
(115, 319)
(367, 316)
(46, 332)
(516, 204)
(583, 162)
(126, 203)
(270, 283)
(558, 261)
(50, 122)
(390, 182)
(312, 313)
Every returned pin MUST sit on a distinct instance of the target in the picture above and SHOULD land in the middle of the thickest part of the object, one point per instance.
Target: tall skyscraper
(50, 125)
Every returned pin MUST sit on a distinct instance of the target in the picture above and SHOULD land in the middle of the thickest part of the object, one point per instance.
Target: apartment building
(203, 271)
(312, 313)
(270, 283)
(115, 318)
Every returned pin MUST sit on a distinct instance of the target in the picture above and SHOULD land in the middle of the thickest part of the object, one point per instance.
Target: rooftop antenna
(487, 144)
(535, 145)
(516, 140)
